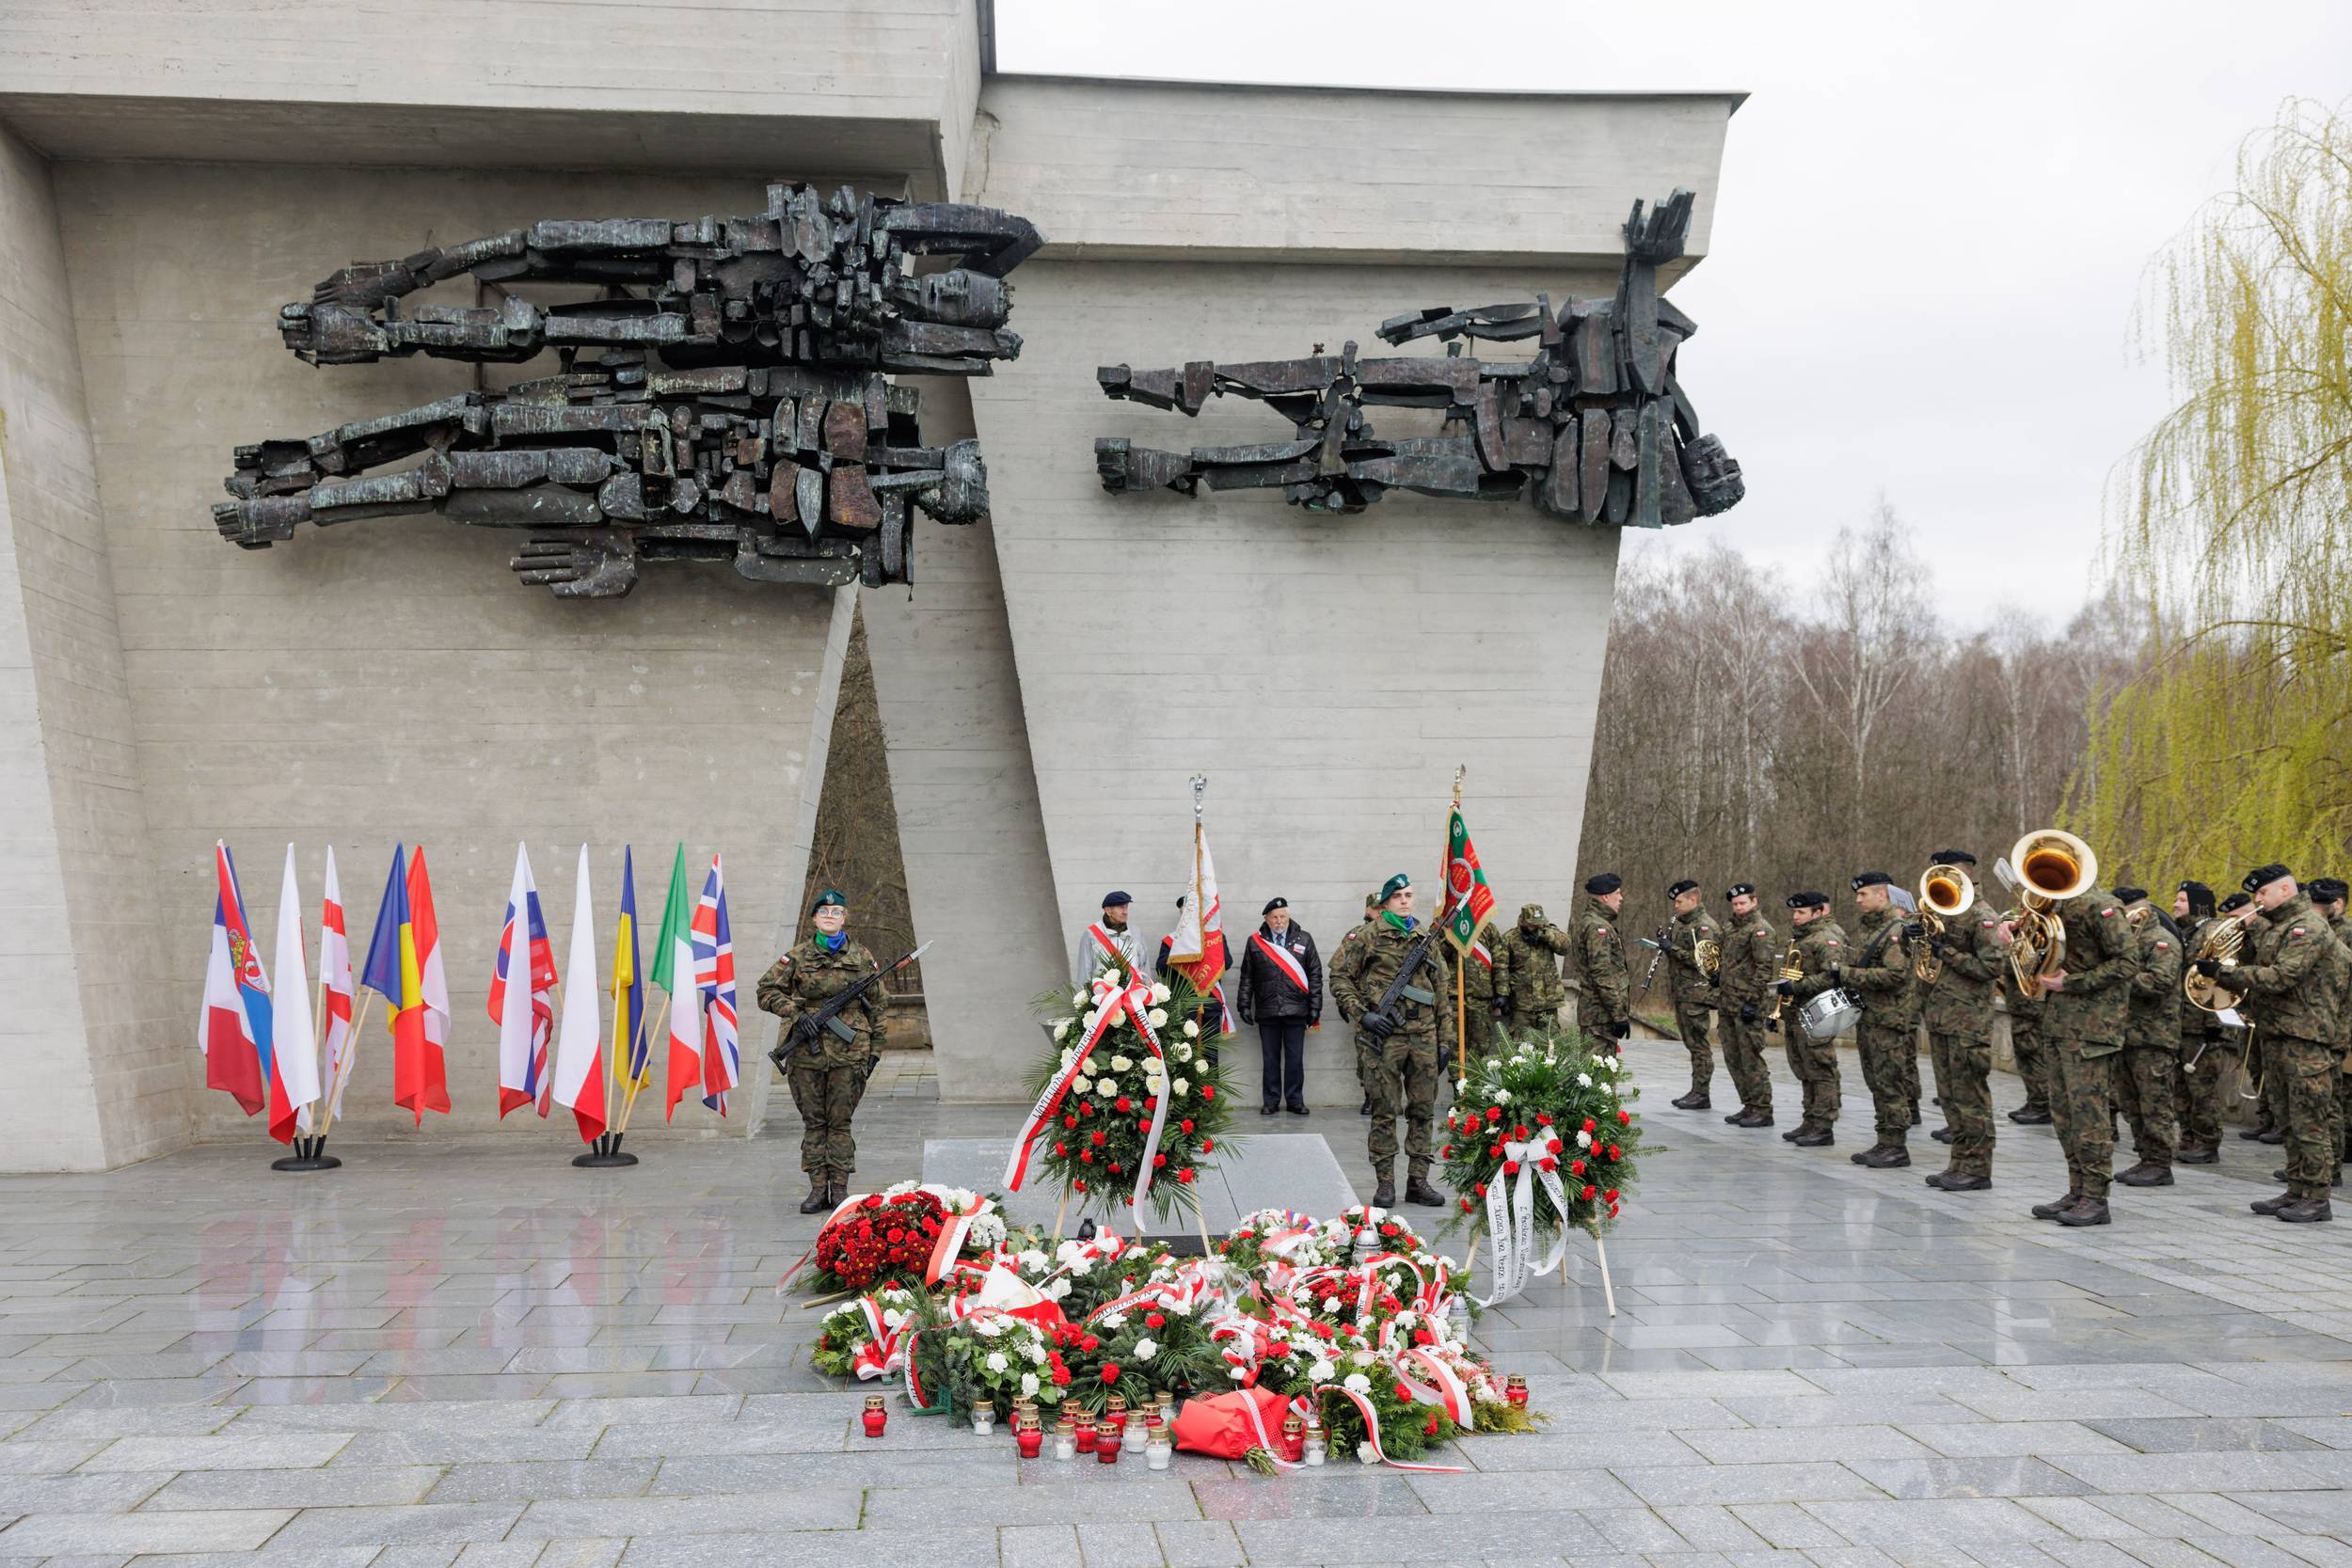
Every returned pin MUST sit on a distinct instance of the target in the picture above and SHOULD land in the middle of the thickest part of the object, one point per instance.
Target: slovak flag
(578, 1044)
(342, 1047)
(235, 1033)
(294, 1056)
(525, 1014)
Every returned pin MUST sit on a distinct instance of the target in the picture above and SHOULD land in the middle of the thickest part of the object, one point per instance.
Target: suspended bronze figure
(723, 391)
(1594, 426)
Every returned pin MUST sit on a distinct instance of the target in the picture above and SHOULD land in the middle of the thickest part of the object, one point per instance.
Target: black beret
(1741, 889)
(2195, 889)
(1951, 857)
(2327, 889)
(1273, 904)
(1112, 900)
(2262, 876)
(1680, 888)
(1808, 900)
(1607, 883)
(2236, 901)
(1871, 878)
(2129, 895)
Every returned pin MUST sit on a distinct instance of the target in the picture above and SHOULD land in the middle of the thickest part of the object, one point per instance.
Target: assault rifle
(1380, 1022)
(808, 1025)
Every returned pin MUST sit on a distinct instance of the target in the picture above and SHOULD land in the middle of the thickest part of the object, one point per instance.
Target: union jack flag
(714, 987)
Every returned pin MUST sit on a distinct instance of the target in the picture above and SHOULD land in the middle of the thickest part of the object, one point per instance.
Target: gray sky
(1933, 237)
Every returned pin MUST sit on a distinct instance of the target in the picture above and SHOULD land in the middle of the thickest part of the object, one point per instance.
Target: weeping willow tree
(2234, 743)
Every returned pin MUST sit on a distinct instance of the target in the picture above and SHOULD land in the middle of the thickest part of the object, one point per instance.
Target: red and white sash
(1280, 958)
(1111, 950)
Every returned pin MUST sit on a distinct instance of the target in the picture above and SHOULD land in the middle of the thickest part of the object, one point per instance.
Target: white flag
(578, 1044)
(293, 1042)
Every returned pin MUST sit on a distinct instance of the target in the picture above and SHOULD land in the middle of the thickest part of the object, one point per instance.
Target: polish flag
(294, 1078)
(339, 993)
(579, 1043)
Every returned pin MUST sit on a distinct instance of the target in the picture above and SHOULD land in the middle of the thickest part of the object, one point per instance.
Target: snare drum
(1830, 1014)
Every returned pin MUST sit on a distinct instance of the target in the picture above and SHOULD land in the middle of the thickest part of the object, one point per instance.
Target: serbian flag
(336, 991)
(1197, 946)
(674, 972)
(714, 987)
(1470, 903)
(525, 1014)
(234, 1034)
(431, 981)
(294, 1056)
(631, 1051)
(578, 1044)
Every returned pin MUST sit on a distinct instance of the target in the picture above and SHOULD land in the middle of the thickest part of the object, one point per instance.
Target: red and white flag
(522, 995)
(293, 1080)
(338, 992)
(579, 1041)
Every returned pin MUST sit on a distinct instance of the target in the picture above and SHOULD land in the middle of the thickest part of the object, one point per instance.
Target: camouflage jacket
(2195, 1021)
(2101, 956)
(2342, 929)
(1820, 948)
(1751, 964)
(2156, 1003)
(1975, 958)
(810, 975)
(1483, 985)
(2288, 975)
(1598, 952)
(1530, 954)
(1368, 960)
(1684, 977)
(1878, 972)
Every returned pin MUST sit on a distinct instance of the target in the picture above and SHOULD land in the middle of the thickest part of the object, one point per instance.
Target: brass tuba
(2045, 869)
(2223, 938)
(1945, 895)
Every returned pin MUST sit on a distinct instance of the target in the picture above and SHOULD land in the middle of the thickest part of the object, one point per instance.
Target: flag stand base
(605, 1154)
(309, 1154)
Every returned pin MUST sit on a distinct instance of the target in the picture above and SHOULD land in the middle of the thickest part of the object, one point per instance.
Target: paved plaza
(468, 1353)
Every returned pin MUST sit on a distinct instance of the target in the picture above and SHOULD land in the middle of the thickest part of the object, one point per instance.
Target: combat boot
(1733, 1119)
(2272, 1205)
(2275, 1136)
(1753, 1119)
(1418, 1190)
(1688, 1101)
(2031, 1116)
(1815, 1137)
(1704, 1102)
(1797, 1132)
(2052, 1210)
(2089, 1210)
(820, 1198)
(1914, 1112)
(1384, 1195)
(2252, 1134)
(1954, 1181)
(2146, 1174)
(1886, 1157)
(2197, 1154)
(1365, 1109)
(1942, 1135)
(2306, 1211)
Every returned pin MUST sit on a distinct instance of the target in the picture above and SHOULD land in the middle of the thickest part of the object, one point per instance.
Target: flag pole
(669, 1008)
(1461, 956)
(359, 1021)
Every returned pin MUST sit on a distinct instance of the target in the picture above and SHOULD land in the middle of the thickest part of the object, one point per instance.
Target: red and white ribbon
(1433, 1382)
(951, 1235)
(1372, 1428)
(1112, 999)
(1511, 1214)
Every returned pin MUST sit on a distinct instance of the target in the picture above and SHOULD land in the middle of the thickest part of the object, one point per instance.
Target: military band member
(1400, 1056)
(2143, 1086)
(2328, 897)
(2287, 982)
(1530, 952)
(2269, 1096)
(1602, 981)
(1820, 944)
(1958, 1010)
(1750, 963)
(2086, 1013)
(1105, 940)
(1693, 989)
(2032, 1057)
(1879, 975)
(828, 1073)
(2207, 1049)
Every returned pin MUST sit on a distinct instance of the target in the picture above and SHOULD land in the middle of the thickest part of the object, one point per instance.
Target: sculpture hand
(591, 563)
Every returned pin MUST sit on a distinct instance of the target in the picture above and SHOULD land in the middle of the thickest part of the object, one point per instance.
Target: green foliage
(2236, 522)
(1542, 1086)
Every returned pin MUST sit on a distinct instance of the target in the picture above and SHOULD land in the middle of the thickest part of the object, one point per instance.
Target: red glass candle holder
(1085, 1436)
(1030, 1439)
(877, 1415)
(1106, 1448)
(1514, 1390)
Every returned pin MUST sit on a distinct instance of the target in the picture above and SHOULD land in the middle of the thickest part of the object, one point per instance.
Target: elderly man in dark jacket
(1281, 992)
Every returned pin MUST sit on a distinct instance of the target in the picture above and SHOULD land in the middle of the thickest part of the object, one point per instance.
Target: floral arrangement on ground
(1352, 1324)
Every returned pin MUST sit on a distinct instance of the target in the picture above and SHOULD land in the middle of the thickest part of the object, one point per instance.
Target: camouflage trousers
(1696, 1022)
(1479, 1023)
(2315, 1133)
(2343, 1108)
(1911, 1070)
(2143, 1092)
(1526, 1020)
(1402, 1076)
(2202, 1089)
(1815, 1064)
(828, 1098)
(1884, 1052)
(2264, 1064)
(1744, 1056)
(2033, 1062)
(2082, 1107)
(1964, 1080)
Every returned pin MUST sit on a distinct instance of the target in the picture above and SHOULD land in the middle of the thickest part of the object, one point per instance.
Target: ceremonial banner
(1470, 903)
(234, 1034)
(293, 1080)
(1197, 944)
(578, 1049)
(339, 995)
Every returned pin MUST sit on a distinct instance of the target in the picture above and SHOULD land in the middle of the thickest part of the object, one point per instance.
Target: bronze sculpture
(1594, 426)
(725, 394)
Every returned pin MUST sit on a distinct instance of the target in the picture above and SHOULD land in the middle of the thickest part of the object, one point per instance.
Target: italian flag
(1470, 903)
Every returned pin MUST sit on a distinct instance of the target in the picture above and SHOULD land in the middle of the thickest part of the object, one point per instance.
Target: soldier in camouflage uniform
(2032, 1057)
(1958, 1010)
(1527, 971)
(1371, 912)
(2202, 1059)
(1601, 979)
(2288, 982)
(1480, 992)
(1820, 944)
(1693, 989)
(2269, 1088)
(1879, 975)
(2143, 1088)
(1750, 963)
(1399, 1059)
(2328, 896)
(2086, 1013)
(828, 1074)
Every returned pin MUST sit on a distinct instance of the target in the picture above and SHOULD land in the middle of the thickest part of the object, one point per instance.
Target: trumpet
(1945, 895)
(2043, 870)
(1791, 969)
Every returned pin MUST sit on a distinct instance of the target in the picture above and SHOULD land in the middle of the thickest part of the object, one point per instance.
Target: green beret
(1393, 886)
(829, 896)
